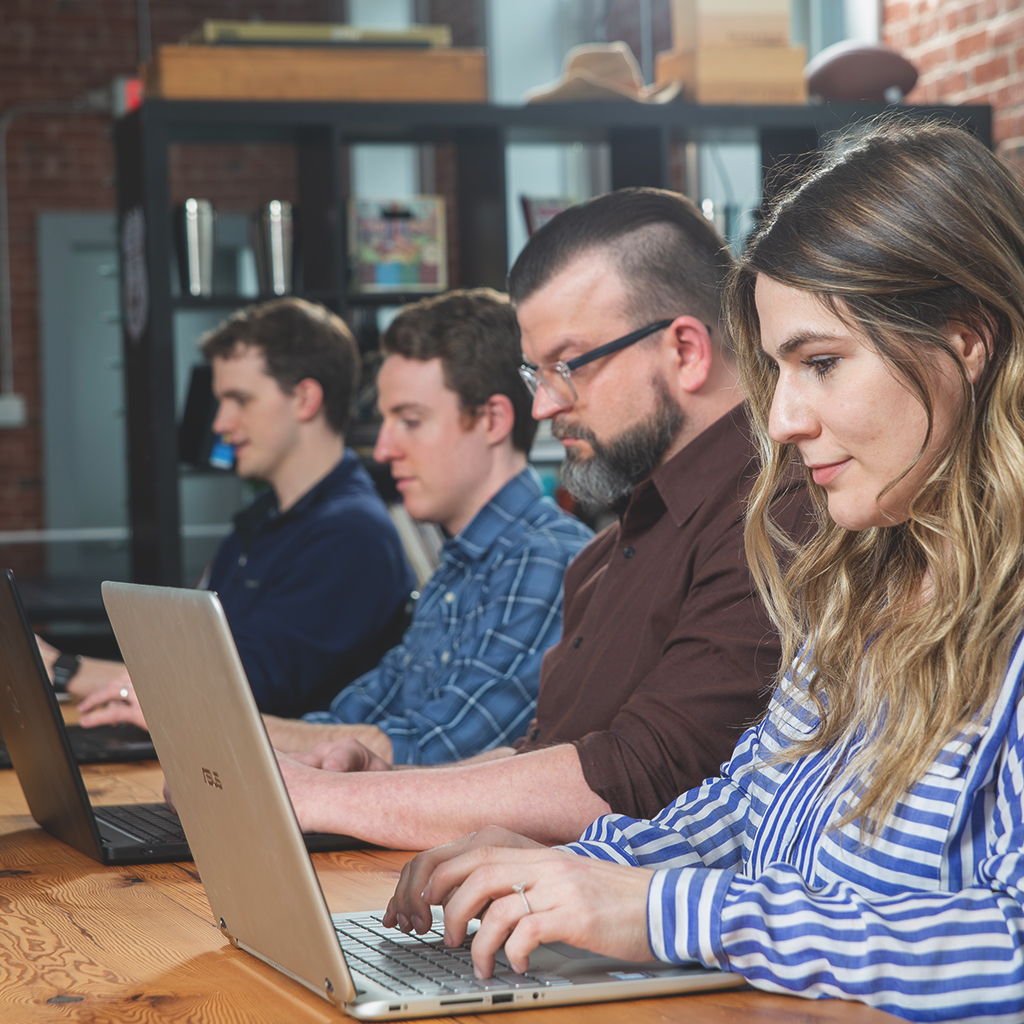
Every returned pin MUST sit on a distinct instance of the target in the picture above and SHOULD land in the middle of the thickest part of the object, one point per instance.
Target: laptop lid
(226, 785)
(246, 842)
(33, 729)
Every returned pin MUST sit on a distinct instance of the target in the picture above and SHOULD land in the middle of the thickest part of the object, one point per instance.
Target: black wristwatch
(64, 669)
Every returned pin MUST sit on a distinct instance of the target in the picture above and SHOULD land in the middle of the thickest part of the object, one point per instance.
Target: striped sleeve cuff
(684, 915)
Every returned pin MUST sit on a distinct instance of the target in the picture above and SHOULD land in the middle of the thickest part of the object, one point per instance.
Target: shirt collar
(476, 538)
(681, 483)
(264, 508)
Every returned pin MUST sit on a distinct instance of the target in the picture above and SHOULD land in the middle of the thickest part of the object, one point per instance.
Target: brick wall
(52, 51)
(966, 51)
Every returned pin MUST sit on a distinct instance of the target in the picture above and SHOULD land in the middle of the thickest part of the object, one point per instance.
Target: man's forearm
(543, 795)
(487, 755)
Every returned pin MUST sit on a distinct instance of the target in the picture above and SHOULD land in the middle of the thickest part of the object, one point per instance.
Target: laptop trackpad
(580, 965)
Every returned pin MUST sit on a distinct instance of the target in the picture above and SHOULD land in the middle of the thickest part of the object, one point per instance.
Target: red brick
(1007, 31)
(972, 45)
(991, 71)
(950, 84)
(940, 58)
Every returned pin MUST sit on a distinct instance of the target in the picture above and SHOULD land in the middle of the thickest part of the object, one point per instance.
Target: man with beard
(665, 654)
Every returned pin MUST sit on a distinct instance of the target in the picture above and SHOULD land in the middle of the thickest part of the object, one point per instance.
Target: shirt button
(628, 552)
(242, 559)
(449, 597)
(577, 641)
(444, 657)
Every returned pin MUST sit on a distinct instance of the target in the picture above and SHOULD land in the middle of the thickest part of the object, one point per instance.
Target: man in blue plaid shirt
(457, 430)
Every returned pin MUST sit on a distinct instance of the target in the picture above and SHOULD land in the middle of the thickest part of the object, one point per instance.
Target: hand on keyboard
(525, 895)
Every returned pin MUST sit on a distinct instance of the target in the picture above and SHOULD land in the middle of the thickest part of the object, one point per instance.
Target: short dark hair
(299, 340)
(670, 258)
(475, 334)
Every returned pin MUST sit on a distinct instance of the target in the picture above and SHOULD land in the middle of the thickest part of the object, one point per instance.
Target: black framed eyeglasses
(557, 381)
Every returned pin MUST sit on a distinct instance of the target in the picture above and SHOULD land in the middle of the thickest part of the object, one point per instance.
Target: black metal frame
(639, 136)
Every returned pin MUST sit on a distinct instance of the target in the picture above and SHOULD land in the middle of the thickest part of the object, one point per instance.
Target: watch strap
(64, 669)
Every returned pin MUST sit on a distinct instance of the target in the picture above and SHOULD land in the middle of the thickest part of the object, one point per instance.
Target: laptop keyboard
(423, 964)
(156, 824)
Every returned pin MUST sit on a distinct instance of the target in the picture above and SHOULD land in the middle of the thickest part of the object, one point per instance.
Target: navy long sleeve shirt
(306, 591)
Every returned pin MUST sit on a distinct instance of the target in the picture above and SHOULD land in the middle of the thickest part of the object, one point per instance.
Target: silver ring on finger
(520, 887)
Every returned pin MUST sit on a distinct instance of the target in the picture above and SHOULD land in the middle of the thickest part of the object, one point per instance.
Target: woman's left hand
(112, 704)
(588, 903)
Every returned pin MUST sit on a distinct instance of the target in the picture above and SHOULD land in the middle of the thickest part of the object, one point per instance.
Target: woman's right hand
(526, 894)
(407, 909)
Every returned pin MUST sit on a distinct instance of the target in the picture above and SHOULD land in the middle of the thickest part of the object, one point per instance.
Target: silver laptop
(257, 874)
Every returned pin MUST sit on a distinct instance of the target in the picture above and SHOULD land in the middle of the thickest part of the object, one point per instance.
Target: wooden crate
(736, 74)
(317, 73)
(714, 23)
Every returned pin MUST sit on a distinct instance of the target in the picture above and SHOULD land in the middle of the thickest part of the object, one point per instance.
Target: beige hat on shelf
(601, 71)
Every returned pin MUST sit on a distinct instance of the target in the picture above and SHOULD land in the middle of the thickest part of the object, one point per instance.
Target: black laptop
(41, 754)
(103, 744)
(37, 741)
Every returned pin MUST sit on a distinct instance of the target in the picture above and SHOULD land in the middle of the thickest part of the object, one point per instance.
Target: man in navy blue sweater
(313, 578)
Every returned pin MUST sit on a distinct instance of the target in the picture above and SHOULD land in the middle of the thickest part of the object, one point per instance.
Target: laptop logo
(212, 779)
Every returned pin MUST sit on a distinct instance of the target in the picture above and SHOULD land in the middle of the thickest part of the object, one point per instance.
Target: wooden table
(84, 942)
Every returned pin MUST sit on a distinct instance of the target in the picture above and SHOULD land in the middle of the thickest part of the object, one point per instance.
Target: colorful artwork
(398, 245)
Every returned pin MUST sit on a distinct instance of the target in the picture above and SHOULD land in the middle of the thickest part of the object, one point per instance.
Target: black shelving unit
(640, 139)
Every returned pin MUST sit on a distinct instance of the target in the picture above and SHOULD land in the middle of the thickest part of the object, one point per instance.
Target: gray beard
(616, 467)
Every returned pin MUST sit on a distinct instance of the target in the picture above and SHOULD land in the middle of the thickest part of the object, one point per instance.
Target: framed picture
(398, 245)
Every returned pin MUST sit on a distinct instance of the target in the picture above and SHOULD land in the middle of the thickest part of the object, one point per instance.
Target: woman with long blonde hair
(866, 840)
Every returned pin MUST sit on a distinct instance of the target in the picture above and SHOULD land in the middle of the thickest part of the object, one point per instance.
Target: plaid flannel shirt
(464, 678)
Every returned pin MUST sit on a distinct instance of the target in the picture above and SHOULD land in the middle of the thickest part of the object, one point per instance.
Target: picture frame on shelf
(398, 245)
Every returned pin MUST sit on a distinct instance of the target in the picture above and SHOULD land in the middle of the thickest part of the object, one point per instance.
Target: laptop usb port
(504, 997)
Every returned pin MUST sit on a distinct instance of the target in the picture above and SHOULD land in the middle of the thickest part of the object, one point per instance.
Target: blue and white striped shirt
(464, 678)
(926, 921)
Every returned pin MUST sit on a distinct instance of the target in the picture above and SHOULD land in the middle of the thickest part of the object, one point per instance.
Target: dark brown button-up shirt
(666, 652)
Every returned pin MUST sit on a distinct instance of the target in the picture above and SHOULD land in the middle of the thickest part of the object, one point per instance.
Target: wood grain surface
(85, 943)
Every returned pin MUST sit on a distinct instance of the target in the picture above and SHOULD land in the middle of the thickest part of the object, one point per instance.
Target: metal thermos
(194, 223)
(272, 233)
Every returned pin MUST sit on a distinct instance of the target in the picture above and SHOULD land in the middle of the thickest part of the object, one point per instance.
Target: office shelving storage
(642, 141)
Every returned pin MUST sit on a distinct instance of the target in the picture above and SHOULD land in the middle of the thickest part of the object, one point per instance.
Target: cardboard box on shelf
(428, 75)
(736, 74)
(700, 23)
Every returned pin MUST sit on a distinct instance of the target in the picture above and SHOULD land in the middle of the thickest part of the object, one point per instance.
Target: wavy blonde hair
(899, 232)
